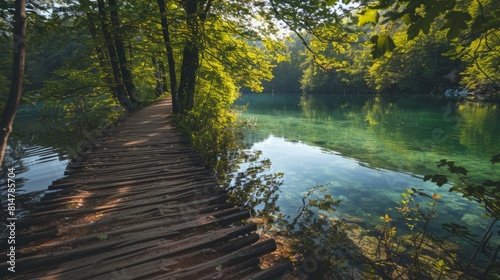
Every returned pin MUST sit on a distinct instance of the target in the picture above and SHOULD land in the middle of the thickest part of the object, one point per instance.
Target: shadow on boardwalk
(139, 206)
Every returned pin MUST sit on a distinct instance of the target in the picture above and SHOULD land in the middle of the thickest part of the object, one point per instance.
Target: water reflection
(405, 134)
(39, 152)
(36, 167)
(367, 192)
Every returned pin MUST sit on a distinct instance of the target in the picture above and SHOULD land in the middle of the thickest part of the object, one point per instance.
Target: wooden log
(238, 243)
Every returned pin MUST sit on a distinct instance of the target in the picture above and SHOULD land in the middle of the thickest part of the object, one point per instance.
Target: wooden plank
(274, 272)
(149, 231)
(234, 258)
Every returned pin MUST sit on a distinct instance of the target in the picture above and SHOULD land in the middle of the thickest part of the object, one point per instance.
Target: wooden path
(140, 205)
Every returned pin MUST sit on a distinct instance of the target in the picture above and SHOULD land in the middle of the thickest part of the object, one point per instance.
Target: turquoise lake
(367, 150)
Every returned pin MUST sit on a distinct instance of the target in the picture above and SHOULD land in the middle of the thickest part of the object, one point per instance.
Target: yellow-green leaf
(387, 218)
(368, 16)
(406, 18)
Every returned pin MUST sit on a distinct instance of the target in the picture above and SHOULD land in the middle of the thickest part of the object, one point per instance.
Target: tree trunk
(170, 57)
(189, 72)
(159, 86)
(124, 67)
(196, 14)
(190, 58)
(119, 89)
(164, 81)
(16, 86)
(101, 57)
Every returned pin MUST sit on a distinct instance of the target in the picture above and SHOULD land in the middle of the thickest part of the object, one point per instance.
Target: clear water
(369, 149)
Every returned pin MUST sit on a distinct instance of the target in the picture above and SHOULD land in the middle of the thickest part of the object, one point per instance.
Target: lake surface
(367, 150)
(39, 152)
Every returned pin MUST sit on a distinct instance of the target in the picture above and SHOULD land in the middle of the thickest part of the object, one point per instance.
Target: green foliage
(440, 180)
(417, 68)
(315, 79)
(250, 184)
(381, 45)
(228, 62)
(288, 72)
(487, 196)
(456, 21)
(330, 61)
(317, 236)
(406, 248)
(471, 25)
(402, 252)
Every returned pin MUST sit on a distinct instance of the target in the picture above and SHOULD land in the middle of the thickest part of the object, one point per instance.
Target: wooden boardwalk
(140, 205)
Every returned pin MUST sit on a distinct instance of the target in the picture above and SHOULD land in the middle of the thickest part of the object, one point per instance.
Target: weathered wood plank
(274, 272)
(234, 258)
(126, 256)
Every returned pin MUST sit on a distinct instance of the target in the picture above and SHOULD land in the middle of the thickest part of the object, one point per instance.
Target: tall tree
(125, 71)
(16, 87)
(119, 90)
(170, 57)
(196, 14)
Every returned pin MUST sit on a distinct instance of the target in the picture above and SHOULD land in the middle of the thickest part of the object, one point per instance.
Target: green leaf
(427, 177)
(455, 21)
(440, 180)
(458, 170)
(381, 45)
(478, 24)
(442, 163)
(421, 24)
(331, 2)
(368, 16)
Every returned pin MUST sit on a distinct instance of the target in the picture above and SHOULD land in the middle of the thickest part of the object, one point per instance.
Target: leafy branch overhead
(421, 15)
(486, 194)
